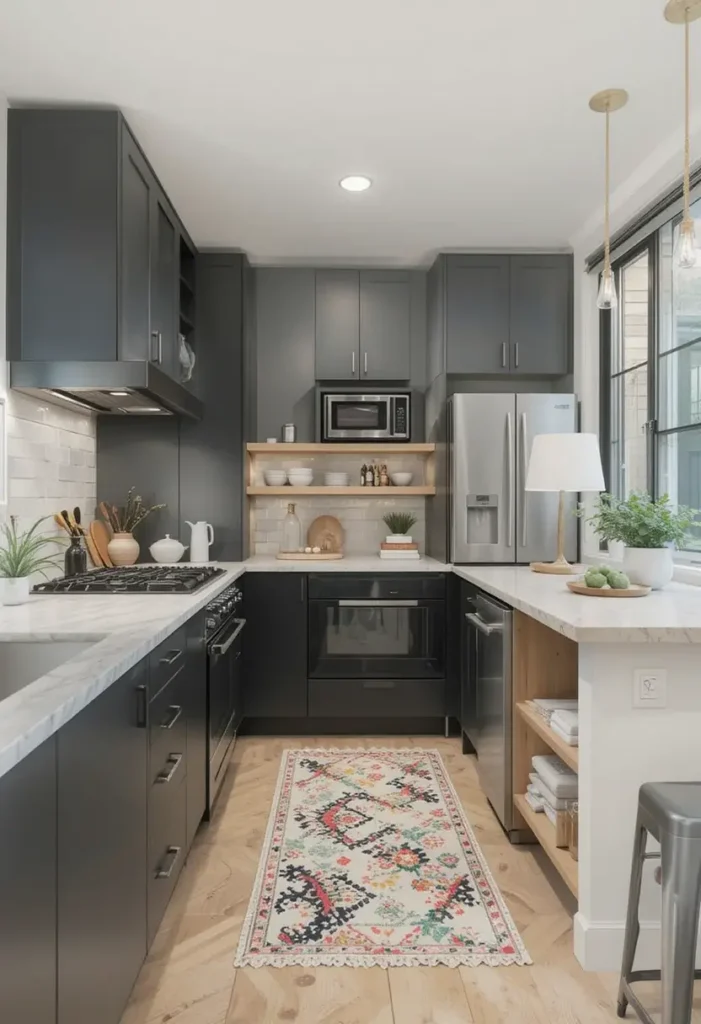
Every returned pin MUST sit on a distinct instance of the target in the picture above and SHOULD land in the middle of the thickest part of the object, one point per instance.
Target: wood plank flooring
(189, 978)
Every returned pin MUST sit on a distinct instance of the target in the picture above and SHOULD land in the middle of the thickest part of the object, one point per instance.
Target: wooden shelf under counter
(570, 755)
(544, 832)
(283, 449)
(337, 492)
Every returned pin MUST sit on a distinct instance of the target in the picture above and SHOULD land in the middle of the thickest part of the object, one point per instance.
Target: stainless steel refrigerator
(491, 517)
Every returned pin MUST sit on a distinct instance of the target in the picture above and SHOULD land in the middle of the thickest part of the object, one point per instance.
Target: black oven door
(377, 639)
(224, 698)
(357, 417)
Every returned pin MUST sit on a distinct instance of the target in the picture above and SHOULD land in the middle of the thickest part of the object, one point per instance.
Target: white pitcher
(201, 537)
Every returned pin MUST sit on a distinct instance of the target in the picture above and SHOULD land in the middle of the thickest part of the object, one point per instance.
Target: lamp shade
(565, 462)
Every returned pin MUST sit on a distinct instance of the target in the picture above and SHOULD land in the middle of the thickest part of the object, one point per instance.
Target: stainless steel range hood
(136, 388)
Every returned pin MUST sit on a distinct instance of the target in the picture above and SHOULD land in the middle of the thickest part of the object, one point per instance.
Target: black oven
(225, 630)
(377, 628)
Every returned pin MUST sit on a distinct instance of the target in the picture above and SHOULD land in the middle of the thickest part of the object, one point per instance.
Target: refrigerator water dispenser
(482, 519)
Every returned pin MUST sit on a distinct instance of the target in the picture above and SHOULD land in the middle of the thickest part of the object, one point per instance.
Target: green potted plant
(23, 553)
(123, 548)
(399, 524)
(649, 529)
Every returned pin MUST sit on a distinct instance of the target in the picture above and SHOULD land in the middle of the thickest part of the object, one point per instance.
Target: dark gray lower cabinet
(102, 843)
(28, 889)
(275, 649)
(196, 714)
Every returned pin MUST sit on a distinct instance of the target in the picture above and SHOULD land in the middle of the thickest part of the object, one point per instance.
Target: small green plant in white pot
(649, 529)
(22, 554)
(399, 524)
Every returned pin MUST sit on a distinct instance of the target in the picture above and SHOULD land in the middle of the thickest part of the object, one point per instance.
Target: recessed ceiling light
(119, 394)
(355, 183)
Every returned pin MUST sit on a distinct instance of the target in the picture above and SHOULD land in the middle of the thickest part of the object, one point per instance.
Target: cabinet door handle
(172, 853)
(301, 589)
(365, 363)
(503, 354)
(158, 358)
(141, 707)
(171, 658)
(516, 354)
(174, 761)
(177, 711)
(353, 363)
(378, 684)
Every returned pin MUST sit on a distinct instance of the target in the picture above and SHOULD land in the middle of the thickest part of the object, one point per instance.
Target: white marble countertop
(350, 563)
(672, 615)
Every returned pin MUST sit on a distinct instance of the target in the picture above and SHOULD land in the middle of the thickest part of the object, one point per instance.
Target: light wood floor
(189, 978)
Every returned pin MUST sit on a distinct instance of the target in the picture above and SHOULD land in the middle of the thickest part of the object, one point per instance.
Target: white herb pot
(649, 567)
(15, 590)
(123, 549)
(398, 538)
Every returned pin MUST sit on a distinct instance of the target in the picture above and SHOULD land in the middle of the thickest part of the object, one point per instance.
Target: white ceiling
(471, 116)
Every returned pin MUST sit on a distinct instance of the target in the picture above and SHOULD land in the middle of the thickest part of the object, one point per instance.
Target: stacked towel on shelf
(566, 725)
(540, 789)
(559, 779)
(547, 706)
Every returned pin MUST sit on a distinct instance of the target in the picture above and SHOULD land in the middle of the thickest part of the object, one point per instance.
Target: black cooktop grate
(134, 579)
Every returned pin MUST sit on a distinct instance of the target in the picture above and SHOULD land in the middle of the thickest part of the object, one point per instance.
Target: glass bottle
(573, 812)
(291, 531)
(75, 560)
(363, 472)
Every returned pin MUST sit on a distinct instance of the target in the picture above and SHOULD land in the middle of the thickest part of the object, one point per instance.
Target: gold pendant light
(683, 12)
(607, 102)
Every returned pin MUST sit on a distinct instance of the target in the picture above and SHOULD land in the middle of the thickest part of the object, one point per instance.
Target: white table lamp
(563, 462)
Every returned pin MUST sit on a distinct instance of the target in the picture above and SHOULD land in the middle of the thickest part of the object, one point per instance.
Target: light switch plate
(650, 688)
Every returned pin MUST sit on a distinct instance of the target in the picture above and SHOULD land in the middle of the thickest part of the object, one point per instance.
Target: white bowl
(401, 479)
(336, 479)
(300, 477)
(275, 477)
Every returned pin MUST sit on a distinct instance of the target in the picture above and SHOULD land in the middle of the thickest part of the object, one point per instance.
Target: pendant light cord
(607, 186)
(687, 91)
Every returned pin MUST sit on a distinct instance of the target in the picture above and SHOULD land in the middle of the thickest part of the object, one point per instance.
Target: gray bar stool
(671, 812)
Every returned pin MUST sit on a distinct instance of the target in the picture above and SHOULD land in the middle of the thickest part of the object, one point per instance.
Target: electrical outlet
(650, 688)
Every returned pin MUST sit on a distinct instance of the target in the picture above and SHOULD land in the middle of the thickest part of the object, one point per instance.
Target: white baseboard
(599, 945)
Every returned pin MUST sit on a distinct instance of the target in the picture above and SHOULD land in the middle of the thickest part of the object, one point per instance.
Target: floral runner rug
(368, 860)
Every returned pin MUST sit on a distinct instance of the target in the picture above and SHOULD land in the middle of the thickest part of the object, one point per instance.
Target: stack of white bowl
(300, 477)
(336, 479)
(275, 477)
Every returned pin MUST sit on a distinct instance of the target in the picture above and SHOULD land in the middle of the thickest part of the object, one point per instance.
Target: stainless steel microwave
(361, 417)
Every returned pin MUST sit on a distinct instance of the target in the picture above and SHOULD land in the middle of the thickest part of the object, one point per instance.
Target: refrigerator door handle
(510, 479)
(522, 482)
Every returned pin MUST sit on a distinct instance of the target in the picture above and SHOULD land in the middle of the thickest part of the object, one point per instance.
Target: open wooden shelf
(544, 832)
(307, 448)
(337, 492)
(570, 755)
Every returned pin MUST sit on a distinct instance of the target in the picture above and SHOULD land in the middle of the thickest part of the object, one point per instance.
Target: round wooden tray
(303, 556)
(633, 590)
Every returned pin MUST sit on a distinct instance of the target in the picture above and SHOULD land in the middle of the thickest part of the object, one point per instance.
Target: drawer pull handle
(174, 761)
(173, 852)
(177, 711)
(379, 684)
(171, 658)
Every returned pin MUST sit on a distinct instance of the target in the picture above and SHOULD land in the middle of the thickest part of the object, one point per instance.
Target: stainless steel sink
(22, 662)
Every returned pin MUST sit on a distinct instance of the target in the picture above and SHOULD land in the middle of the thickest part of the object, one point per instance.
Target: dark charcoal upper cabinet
(363, 325)
(337, 330)
(28, 890)
(102, 814)
(477, 314)
(275, 648)
(506, 314)
(541, 314)
(385, 324)
(94, 246)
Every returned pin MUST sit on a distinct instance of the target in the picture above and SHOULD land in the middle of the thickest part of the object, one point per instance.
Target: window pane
(680, 290)
(629, 409)
(630, 337)
(680, 388)
(680, 474)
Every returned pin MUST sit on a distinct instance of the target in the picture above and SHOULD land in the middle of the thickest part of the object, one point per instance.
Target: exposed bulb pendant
(605, 103)
(683, 12)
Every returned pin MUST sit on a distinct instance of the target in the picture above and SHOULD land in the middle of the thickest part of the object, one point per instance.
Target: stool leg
(681, 891)
(632, 920)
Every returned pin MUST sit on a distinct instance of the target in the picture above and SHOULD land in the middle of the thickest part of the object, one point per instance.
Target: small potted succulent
(399, 524)
(22, 554)
(649, 529)
(123, 548)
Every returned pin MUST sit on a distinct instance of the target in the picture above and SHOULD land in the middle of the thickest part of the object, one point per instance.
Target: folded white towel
(568, 721)
(557, 803)
(550, 814)
(570, 739)
(560, 779)
(534, 802)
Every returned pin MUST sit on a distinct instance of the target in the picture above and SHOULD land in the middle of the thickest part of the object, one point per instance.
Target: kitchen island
(567, 645)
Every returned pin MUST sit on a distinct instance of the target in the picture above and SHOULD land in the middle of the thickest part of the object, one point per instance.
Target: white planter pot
(123, 549)
(398, 538)
(649, 567)
(15, 591)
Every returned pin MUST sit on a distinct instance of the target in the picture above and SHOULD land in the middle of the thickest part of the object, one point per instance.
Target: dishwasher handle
(484, 627)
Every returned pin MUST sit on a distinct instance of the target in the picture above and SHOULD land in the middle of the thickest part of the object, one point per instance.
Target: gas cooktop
(134, 579)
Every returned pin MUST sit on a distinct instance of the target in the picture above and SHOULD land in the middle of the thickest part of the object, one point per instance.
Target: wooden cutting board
(633, 591)
(326, 533)
(101, 538)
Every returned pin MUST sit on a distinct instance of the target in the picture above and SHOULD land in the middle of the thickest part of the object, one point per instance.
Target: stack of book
(403, 548)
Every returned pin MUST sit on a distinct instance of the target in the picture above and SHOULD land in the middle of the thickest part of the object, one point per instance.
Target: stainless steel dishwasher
(489, 638)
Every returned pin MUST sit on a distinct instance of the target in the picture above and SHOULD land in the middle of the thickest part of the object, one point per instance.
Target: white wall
(49, 452)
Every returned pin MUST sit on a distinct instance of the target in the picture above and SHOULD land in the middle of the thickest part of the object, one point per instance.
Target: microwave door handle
(392, 416)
